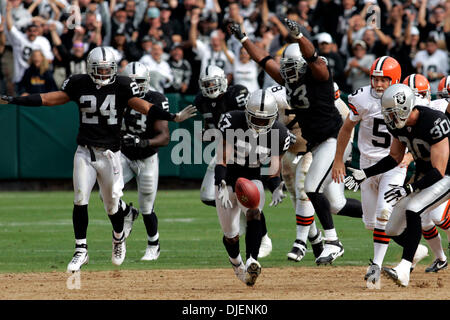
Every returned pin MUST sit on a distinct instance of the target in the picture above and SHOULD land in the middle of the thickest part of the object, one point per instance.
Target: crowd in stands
(42, 42)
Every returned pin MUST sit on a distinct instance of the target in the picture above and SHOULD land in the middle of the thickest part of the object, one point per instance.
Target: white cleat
(266, 247)
(119, 250)
(240, 271)
(253, 269)
(421, 253)
(129, 219)
(80, 258)
(298, 251)
(331, 251)
(399, 276)
(151, 253)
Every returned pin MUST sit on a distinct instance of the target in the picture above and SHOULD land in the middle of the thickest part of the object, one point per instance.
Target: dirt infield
(296, 283)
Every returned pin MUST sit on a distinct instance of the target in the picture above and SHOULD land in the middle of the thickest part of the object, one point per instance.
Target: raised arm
(318, 66)
(258, 54)
(50, 99)
(144, 107)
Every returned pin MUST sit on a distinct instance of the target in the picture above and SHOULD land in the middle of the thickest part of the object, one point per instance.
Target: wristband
(264, 60)
(243, 39)
(160, 114)
(312, 58)
(273, 183)
(220, 173)
(32, 100)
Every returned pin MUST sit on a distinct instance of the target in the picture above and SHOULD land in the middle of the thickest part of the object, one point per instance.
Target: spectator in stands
(216, 53)
(356, 28)
(434, 26)
(348, 9)
(245, 71)
(358, 68)
(38, 78)
(328, 49)
(170, 27)
(2, 51)
(161, 76)
(326, 17)
(21, 17)
(432, 63)
(120, 23)
(22, 45)
(377, 42)
(181, 70)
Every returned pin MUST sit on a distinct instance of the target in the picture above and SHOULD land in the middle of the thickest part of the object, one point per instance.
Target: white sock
(379, 251)
(404, 264)
(236, 261)
(330, 234)
(79, 242)
(302, 232)
(303, 210)
(313, 230)
(436, 246)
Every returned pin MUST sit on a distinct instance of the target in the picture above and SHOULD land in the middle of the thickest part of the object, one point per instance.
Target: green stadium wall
(39, 143)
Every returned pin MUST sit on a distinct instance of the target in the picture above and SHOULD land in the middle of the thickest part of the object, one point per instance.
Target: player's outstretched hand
(236, 30)
(5, 99)
(396, 193)
(278, 195)
(224, 196)
(355, 179)
(188, 112)
(294, 28)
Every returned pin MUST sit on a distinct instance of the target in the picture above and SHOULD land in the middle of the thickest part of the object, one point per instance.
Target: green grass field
(36, 234)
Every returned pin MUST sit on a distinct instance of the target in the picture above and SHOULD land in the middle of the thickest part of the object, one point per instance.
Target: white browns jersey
(438, 104)
(374, 140)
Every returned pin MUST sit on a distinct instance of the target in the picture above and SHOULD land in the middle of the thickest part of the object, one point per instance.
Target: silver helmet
(139, 73)
(397, 103)
(261, 111)
(292, 63)
(102, 66)
(213, 82)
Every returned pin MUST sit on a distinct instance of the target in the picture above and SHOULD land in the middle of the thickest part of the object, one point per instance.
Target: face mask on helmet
(139, 74)
(292, 70)
(101, 65)
(213, 86)
(261, 111)
(397, 103)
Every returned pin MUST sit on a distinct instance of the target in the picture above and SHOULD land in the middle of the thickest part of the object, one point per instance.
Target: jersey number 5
(386, 142)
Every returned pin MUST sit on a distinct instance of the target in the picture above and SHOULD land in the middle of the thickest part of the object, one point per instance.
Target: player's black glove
(235, 29)
(129, 141)
(294, 28)
(6, 99)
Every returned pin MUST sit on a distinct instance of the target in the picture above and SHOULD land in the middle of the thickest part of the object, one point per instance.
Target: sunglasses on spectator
(78, 45)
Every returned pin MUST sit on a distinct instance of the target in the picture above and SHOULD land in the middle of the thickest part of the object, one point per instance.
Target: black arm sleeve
(220, 173)
(32, 100)
(385, 164)
(160, 114)
(273, 183)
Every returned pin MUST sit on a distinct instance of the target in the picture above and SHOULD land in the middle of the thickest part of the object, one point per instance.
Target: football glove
(235, 29)
(224, 196)
(6, 99)
(131, 141)
(396, 193)
(294, 28)
(188, 112)
(278, 195)
(355, 179)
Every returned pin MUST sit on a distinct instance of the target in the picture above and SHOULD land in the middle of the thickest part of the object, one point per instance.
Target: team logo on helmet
(400, 98)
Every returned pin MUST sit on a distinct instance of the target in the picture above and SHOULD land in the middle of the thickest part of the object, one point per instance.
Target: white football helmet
(102, 66)
(397, 103)
(261, 111)
(292, 63)
(139, 73)
(213, 82)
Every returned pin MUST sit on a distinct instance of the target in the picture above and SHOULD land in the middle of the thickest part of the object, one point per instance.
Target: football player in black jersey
(251, 138)
(310, 93)
(215, 99)
(426, 133)
(102, 97)
(142, 136)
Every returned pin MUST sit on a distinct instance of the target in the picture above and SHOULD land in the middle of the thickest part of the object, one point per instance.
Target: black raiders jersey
(211, 109)
(101, 108)
(251, 150)
(431, 127)
(138, 124)
(312, 102)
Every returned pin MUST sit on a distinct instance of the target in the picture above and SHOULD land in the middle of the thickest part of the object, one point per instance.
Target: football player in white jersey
(374, 143)
(439, 216)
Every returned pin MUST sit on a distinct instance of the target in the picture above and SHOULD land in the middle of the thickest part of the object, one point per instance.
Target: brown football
(247, 193)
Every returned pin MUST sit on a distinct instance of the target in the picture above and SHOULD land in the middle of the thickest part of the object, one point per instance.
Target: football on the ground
(247, 193)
